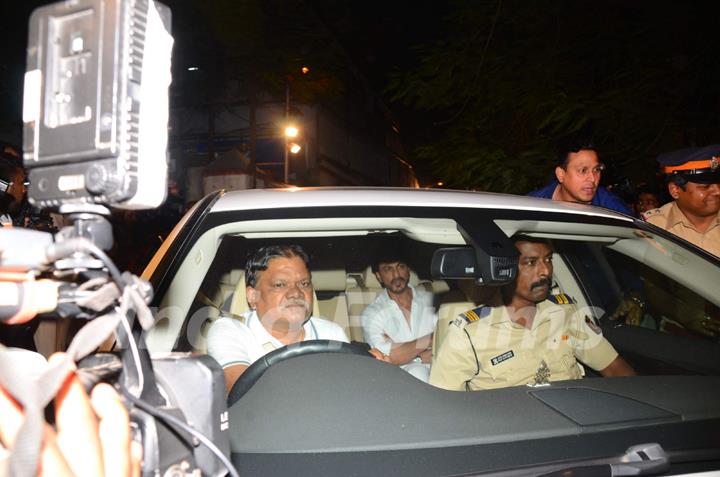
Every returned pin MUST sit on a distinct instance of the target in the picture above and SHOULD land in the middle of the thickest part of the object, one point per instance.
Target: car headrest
(369, 279)
(329, 280)
(239, 303)
(351, 281)
(236, 275)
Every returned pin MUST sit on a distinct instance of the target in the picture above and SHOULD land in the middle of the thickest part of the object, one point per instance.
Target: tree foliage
(269, 41)
(513, 78)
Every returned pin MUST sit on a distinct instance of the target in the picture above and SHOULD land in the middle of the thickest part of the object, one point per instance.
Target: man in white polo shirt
(280, 294)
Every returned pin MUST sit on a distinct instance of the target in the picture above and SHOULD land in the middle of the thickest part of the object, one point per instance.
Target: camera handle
(90, 221)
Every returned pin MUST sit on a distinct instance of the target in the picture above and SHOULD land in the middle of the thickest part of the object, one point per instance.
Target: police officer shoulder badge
(561, 299)
(650, 213)
(471, 316)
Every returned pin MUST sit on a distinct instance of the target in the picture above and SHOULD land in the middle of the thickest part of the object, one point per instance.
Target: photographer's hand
(92, 436)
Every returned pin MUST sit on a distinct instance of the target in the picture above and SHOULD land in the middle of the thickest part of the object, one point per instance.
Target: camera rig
(95, 113)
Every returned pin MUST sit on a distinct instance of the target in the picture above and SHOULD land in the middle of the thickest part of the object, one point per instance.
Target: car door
(672, 336)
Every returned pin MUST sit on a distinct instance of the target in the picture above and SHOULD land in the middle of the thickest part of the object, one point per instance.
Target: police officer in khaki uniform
(693, 180)
(533, 339)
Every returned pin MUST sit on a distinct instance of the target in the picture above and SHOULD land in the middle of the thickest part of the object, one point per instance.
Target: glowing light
(440, 183)
(295, 148)
(291, 131)
(77, 44)
(305, 70)
(193, 68)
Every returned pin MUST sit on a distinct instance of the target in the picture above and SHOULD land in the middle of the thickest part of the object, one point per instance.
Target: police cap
(693, 164)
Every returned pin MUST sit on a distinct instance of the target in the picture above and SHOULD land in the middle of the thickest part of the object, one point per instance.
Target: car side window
(669, 306)
(609, 277)
(595, 275)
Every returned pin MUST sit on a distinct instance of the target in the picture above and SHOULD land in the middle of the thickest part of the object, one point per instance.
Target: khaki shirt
(671, 218)
(485, 349)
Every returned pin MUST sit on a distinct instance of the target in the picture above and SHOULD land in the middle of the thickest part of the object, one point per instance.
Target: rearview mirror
(453, 262)
(462, 262)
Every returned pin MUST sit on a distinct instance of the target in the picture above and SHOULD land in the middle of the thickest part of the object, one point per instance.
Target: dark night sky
(378, 36)
(12, 51)
(381, 37)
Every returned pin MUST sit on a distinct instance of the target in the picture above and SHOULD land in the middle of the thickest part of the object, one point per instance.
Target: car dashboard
(339, 414)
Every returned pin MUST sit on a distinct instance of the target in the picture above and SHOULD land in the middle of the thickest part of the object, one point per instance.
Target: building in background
(239, 142)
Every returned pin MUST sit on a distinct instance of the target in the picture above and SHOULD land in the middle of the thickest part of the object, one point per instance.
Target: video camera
(95, 113)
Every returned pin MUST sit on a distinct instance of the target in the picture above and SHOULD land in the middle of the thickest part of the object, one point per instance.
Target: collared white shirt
(231, 342)
(384, 319)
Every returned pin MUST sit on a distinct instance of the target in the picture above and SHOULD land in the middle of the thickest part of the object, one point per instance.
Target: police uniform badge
(692, 164)
(561, 299)
(649, 213)
(471, 316)
(542, 375)
(502, 357)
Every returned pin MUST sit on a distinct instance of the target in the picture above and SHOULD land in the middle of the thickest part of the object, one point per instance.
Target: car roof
(295, 197)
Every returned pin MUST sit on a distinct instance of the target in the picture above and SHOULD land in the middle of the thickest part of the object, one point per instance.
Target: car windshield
(596, 264)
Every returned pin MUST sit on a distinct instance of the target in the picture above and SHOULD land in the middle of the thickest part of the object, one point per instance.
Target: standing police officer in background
(693, 181)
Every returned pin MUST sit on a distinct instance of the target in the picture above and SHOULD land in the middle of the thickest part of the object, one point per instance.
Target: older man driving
(280, 294)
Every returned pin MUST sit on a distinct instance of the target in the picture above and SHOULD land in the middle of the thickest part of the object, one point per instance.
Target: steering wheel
(258, 368)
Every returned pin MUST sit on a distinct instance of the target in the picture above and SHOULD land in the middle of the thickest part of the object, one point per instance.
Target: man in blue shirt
(578, 180)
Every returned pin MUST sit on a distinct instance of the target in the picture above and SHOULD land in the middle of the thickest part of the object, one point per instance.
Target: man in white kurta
(401, 320)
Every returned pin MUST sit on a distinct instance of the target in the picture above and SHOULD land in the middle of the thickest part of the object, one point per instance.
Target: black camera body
(188, 388)
(196, 386)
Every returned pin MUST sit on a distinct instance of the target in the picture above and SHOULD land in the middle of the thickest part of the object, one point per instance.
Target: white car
(344, 414)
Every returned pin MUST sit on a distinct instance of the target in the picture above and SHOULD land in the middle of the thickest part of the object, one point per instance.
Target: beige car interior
(343, 295)
(338, 296)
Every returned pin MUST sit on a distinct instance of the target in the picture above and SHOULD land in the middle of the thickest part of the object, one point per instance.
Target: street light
(288, 129)
(291, 131)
